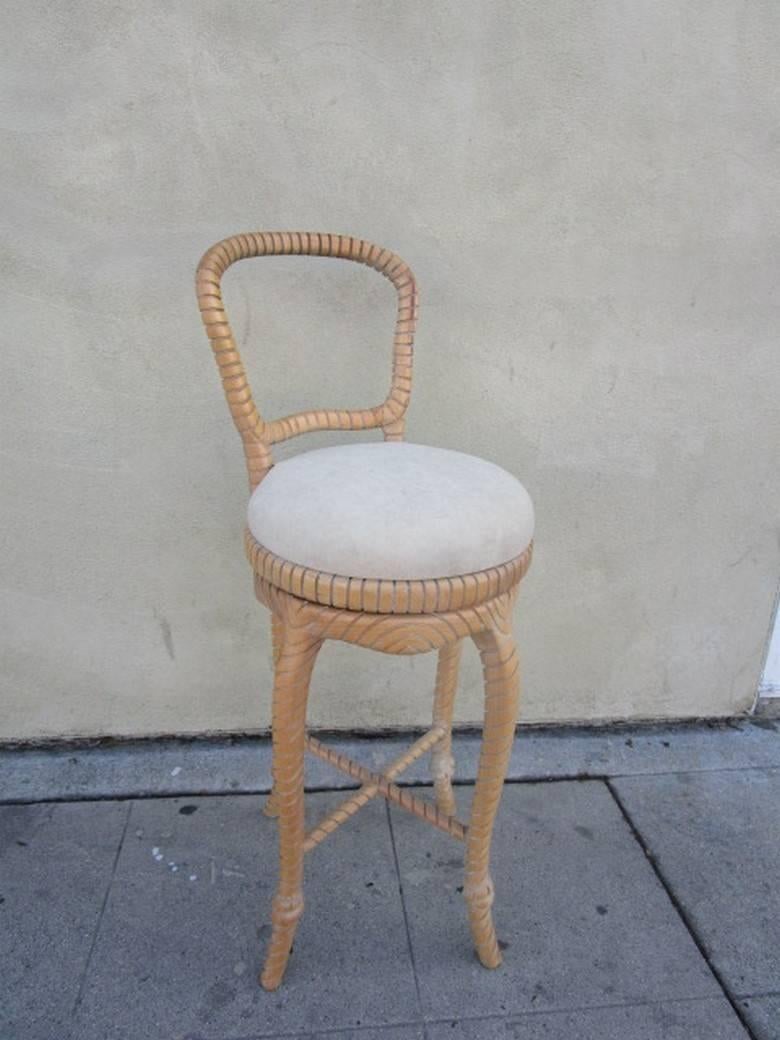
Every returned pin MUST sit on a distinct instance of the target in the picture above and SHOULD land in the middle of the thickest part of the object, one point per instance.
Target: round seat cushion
(391, 510)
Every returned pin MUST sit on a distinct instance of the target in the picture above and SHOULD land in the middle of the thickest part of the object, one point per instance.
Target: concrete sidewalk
(637, 877)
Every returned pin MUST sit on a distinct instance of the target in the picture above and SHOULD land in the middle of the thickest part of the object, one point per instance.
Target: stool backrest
(257, 435)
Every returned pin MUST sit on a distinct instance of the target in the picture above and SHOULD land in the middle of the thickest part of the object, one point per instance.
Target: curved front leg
(502, 698)
(442, 762)
(297, 653)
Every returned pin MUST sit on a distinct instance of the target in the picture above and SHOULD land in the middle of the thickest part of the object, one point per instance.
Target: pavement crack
(682, 913)
(406, 919)
(103, 905)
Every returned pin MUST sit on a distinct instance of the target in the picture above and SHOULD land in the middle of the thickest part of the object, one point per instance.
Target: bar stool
(397, 547)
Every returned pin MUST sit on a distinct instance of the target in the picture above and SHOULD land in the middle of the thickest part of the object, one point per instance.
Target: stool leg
(291, 687)
(442, 762)
(271, 807)
(502, 697)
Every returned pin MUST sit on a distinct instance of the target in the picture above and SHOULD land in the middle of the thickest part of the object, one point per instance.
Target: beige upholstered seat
(391, 510)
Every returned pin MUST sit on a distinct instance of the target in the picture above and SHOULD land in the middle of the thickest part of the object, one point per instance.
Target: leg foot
(502, 695)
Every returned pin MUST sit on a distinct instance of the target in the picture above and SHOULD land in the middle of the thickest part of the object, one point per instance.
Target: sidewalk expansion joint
(682, 913)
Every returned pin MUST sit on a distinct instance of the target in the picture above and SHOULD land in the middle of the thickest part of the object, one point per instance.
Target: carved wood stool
(397, 547)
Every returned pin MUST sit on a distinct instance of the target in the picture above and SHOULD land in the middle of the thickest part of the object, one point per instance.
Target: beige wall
(588, 195)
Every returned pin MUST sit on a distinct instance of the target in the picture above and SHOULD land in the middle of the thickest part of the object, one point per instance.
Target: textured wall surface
(588, 196)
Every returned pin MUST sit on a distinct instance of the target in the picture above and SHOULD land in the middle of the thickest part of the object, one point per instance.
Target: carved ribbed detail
(258, 436)
(381, 783)
(371, 789)
(381, 596)
(389, 633)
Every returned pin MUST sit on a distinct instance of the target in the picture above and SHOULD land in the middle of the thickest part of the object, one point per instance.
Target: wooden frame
(259, 436)
(394, 617)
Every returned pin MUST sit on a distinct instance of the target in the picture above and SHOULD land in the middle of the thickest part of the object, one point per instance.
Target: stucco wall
(587, 193)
